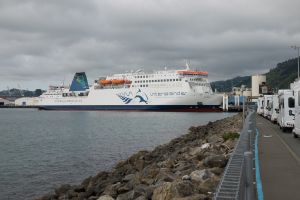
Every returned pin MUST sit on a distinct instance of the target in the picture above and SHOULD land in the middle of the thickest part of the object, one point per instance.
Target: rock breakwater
(186, 168)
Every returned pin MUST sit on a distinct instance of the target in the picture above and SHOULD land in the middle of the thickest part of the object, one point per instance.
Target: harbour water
(40, 150)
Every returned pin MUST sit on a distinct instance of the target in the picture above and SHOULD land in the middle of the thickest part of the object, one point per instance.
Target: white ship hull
(126, 99)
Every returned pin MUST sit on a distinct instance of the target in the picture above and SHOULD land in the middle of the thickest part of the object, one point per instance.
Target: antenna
(63, 83)
(187, 65)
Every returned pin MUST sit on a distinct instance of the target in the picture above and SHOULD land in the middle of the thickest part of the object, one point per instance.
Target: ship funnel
(79, 82)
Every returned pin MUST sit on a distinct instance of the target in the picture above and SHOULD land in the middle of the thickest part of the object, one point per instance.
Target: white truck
(267, 106)
(286, 115)
(296, 89)
(260, 105)
(274, 108)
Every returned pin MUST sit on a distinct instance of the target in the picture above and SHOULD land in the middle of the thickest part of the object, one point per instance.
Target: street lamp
(297, 48)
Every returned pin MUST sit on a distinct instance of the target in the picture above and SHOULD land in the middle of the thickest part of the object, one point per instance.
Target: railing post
(243, 110)
(248, 161)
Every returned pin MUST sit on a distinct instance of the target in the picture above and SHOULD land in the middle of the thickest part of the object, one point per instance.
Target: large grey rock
(143, 190)
(125, 188)
(182, 188)
(126, 196)
(215, 161)
(195, 151)
(193, 197)
(186, 177)
(112, 190)
(163, 192)
(176, 189)
(141, 198)
(209, 185)
(165, 175)
(128, 177)
(93, 198)
(201, 175)
(214, 139)
(106, 197)
(217, 171)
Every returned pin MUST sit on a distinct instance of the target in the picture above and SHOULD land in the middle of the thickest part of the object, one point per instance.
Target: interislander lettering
(159, 94)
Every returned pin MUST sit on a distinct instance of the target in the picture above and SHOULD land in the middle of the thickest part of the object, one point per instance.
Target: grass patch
(230, 135)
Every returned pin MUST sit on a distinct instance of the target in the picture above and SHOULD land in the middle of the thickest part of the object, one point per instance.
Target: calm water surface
(39, 150)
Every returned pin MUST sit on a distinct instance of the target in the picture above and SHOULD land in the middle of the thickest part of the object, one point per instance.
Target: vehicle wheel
(283, 129)
(295, 135)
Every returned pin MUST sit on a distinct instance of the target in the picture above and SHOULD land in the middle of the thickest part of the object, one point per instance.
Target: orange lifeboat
(128, 81)
(105, 82)
(118, 81)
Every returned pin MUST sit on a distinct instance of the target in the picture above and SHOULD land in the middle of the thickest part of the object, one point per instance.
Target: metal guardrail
(237, 181)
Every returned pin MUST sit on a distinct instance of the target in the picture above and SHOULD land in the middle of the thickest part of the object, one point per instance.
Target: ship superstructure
(166, 90)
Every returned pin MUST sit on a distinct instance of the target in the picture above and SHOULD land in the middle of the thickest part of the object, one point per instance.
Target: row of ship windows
(196, 79)
(152, 76)
(159, 80)
(155, 85)
(51, 94)
(202, 84)
(140, 85)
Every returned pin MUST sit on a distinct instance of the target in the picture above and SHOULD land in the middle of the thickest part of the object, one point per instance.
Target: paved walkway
(279, 162)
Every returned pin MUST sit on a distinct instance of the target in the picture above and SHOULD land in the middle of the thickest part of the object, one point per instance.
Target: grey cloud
(44, 41)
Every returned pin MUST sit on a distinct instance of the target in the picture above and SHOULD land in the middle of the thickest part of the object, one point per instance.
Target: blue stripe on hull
(178, 108)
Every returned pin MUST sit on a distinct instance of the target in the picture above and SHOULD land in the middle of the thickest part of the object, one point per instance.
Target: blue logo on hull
(140, 97)
(126, 100)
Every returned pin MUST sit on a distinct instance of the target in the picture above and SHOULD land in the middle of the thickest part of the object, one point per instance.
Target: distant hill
(279, 77)
(285, 73)
(21, 93)
(226, 86)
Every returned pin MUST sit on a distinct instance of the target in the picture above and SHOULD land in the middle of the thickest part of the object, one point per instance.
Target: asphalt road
(279, 155)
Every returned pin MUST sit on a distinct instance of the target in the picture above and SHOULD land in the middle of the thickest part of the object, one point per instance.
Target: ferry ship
(166, 90)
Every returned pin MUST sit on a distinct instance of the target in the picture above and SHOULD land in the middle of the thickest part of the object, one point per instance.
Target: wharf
(279, 155)
(19, 106)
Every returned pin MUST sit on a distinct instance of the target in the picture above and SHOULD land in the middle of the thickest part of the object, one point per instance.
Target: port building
(259, 85)
(5, 102)
(26, 101)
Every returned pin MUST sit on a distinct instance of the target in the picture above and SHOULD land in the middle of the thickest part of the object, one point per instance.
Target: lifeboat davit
(105, 82)
(128, 81)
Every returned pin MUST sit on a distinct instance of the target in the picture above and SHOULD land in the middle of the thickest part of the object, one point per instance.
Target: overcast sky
(43, 42)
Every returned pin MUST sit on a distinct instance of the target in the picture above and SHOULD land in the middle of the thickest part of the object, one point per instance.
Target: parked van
(260, 105)
(286, 115)
(267, 106)
(296, 87)
(274, 108)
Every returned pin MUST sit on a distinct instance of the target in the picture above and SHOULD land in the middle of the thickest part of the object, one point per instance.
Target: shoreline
(188, 167)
